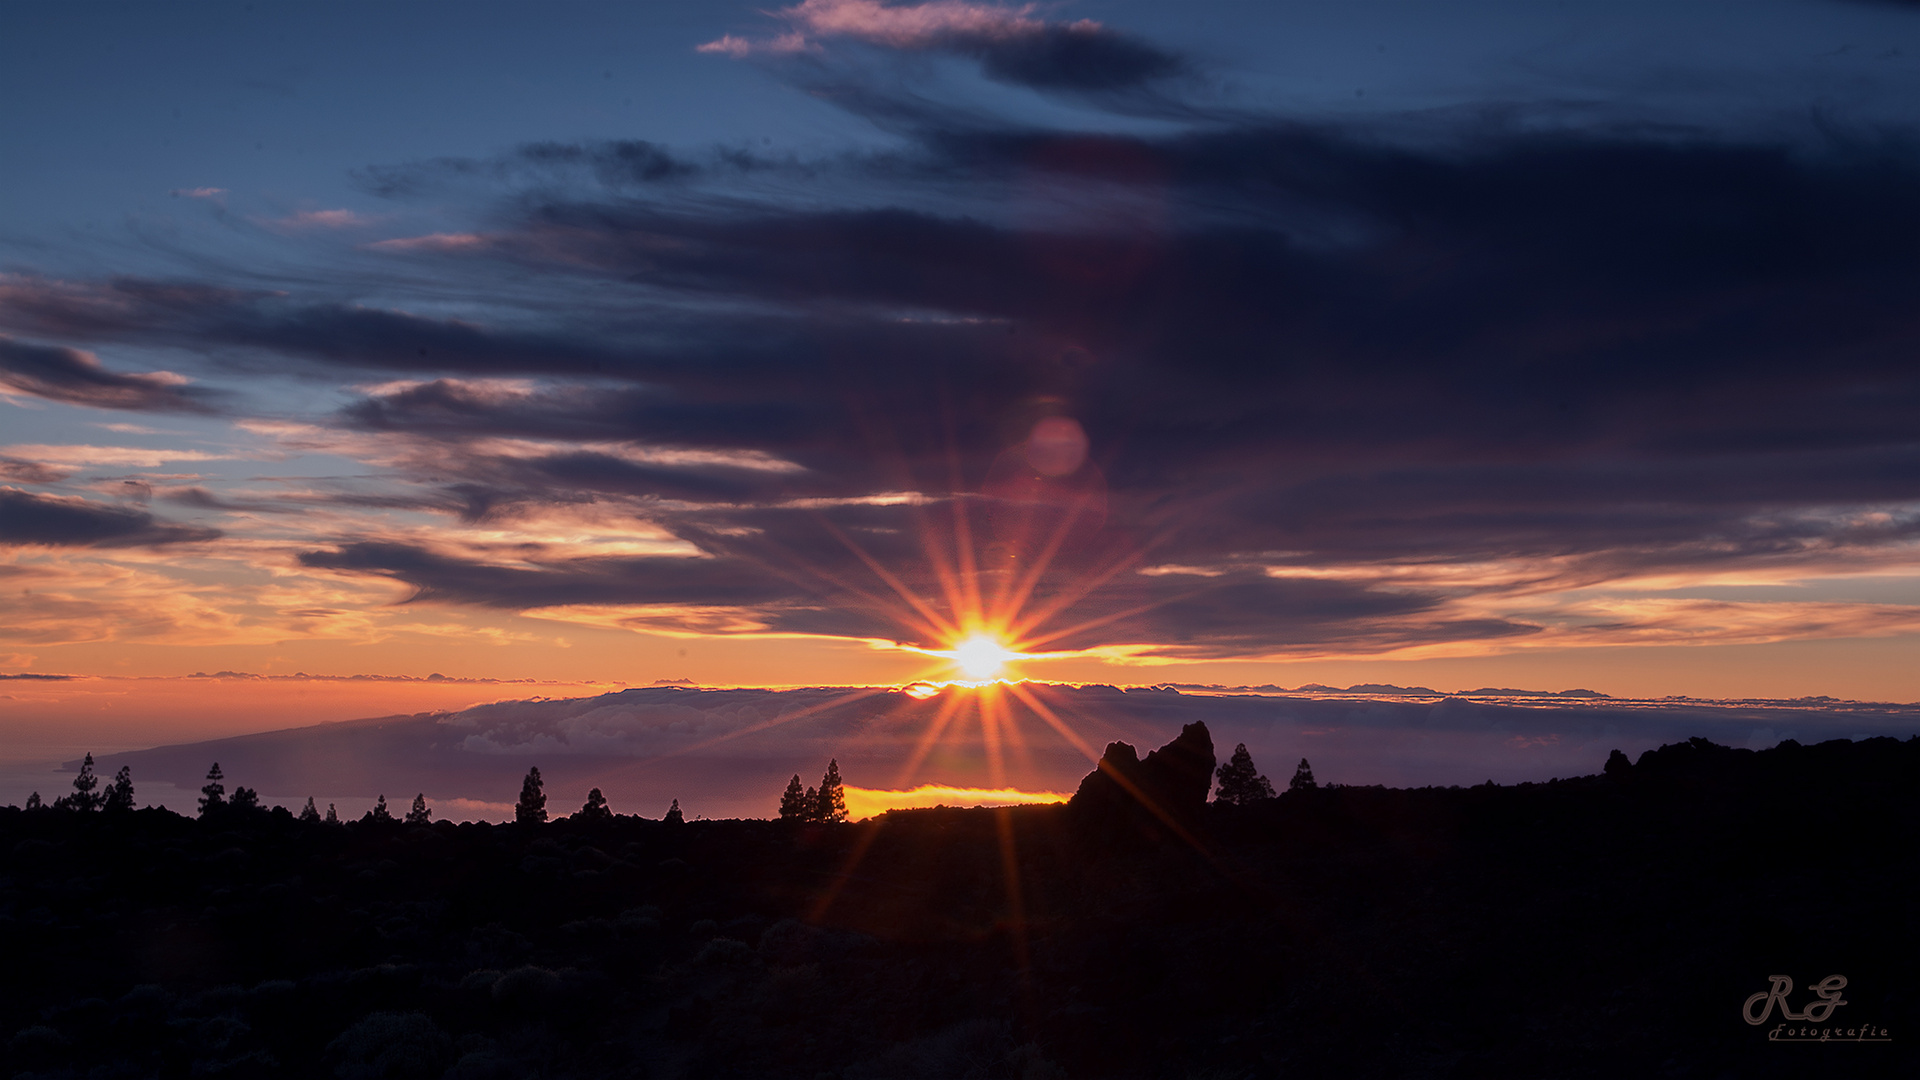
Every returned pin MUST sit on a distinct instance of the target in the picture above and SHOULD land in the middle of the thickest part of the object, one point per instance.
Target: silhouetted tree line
(1242, 785)
(117, 798)
(531, 809)
(214, 801)
(1282, 936)
(825, 804)
(1239, 784)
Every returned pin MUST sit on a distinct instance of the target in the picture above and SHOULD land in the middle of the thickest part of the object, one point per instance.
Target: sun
(981, 657)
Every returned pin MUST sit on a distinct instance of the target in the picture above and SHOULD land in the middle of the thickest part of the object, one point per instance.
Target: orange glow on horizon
(870, 802)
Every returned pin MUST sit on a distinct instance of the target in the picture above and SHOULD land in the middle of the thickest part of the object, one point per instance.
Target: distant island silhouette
(1604, 925)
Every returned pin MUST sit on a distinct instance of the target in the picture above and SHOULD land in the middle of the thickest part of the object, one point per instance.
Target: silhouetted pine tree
(1302, 778)
(84, 798)
(379, 813)
(213, 797)
(245, 798)
(674, 816)
(33, 802)
(532, 807)
(419, 815)
(1240, 783)
(120, 793)
(796, 803)
(831, 803)
(333, 816)
(309, 814)
(595, 808)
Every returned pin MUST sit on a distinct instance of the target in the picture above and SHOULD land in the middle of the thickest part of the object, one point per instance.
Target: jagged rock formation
(1166, 790)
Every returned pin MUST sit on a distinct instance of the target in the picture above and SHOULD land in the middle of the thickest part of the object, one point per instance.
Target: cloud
(438, 243)
(534, 584)
(324, 219)
(1507, 381)
(30, 519)
(740, 48)
(81, 454)
(218, 194)
(193, 315)
(78, 378)
(615, 164)
(244, 590)
(29, 472)
(785, 575)
(731, 752)
(1010, 44)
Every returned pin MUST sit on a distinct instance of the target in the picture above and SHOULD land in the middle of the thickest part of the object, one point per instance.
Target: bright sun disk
(981, 657)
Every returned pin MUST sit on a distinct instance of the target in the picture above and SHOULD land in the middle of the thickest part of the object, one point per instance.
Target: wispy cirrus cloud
(82, 454)
(439, 243)
(304, 220)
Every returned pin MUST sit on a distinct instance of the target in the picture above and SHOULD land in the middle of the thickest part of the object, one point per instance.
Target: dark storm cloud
(1512, 342)
(77, 378)
(28, 519)
(1536, 277)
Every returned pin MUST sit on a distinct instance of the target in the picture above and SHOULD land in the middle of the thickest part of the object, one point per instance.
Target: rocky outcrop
(1165, 791)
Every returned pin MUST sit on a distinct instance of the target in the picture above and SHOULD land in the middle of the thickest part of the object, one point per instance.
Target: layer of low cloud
(730, 752)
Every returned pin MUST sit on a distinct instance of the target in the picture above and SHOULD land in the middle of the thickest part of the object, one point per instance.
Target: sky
(1482, 344)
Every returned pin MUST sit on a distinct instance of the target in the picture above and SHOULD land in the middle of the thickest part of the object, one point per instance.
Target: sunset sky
(1478, 344)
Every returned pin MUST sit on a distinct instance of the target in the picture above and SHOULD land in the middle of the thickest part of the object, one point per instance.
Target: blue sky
(119, 104)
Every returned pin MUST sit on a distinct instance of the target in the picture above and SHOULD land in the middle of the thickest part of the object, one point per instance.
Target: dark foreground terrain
(1605, 926)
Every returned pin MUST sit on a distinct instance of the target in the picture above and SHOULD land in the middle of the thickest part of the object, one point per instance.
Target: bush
(391, 1045)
